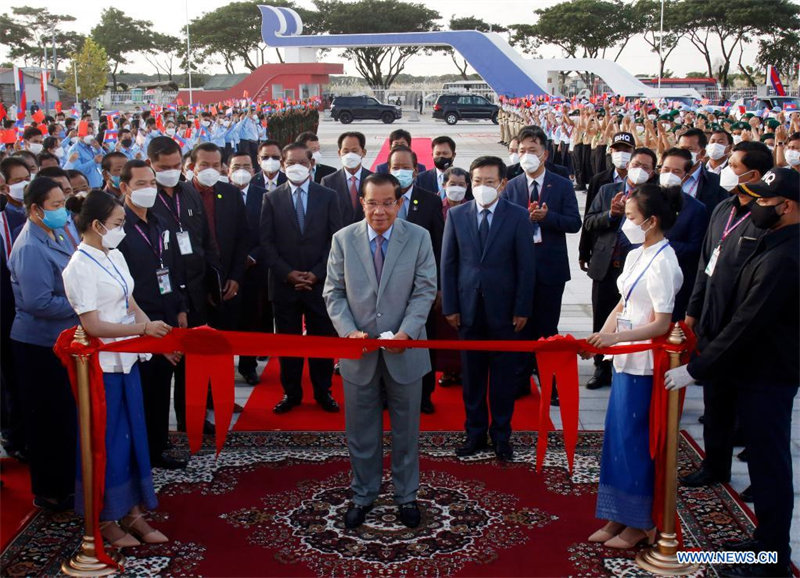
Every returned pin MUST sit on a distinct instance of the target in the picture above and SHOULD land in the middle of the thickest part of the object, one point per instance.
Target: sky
(169, 15)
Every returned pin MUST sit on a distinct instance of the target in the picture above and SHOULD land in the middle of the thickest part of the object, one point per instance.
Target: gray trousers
(363, 410)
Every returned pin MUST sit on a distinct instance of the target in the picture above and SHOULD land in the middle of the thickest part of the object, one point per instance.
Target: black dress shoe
(449, 379)
(748, 545)
(701, 477)
(746, 495)
(757, 570)
(285, 404)
(356, 515)
(409, 514)
(55, 505)
(426, 406)
(504, 451)
(743, 455)
(250, 377)
(472, 446)
(328, 403)
(601, 378)
(167, 463)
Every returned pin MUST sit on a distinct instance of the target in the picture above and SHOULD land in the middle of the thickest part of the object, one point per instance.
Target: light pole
(660, 44)
(188, 54)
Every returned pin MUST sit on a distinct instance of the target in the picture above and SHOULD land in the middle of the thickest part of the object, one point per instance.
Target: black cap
(778, 182)
(624, 138)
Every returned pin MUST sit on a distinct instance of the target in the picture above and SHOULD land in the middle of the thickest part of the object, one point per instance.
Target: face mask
(513, 158)
(270, 165)
(351, 160)
(144, 198)
(455, 193)
(205, 123)
(771, 147)
(241, 177)
(792, 157)
(126, 126)
(669, 180)
(638, 175)
(113, 237)
(224, 179)
(207, 177)
(651, 117)
(530, 163)
(126, 142)
(737, 138)
(55, 219)
(442, 163)
(635, 233)
(226, 123)
(170, 132)
(88, 139)
(764, 217)
(716, 150)
(728, 179)
(620, 159)
(694, 156)
(317, 156)
(484, 195)
(168, 178)
(59, 152)
(17, 191)
(405, 176)
(297, 174)
(35, 147)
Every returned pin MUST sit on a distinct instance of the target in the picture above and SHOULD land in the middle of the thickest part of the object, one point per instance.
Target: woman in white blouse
(648, 284)
(100, 289)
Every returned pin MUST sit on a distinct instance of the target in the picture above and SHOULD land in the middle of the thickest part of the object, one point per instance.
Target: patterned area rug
(272, 505)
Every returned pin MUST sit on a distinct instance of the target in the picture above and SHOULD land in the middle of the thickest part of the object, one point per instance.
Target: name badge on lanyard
(184, 242)
(164, 284)
(712, 262)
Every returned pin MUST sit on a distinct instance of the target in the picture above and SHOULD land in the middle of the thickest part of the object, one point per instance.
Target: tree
(378, 65)
(469, 23)
(92, 65)
(166, 54)
(119, 35)
(29, 29)
(647, 15)
(781, 50)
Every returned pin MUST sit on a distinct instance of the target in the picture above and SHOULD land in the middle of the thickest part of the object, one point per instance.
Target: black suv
(452, 107)
(346, 109)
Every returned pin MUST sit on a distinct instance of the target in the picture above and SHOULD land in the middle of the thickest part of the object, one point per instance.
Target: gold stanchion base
(654, 561)
(85, 563)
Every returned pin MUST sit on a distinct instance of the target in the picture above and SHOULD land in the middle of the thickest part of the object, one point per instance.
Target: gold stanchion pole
(662, 558)
(84, 562)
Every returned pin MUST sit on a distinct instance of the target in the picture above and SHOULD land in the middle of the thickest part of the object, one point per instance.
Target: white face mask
(317, 156)
(113, 237)
(694, 156)
(455, 193)
(255, 117)
(737, 138)
(638, 175)
(351, 160)
(620, 159)
(669, 180)
(513, 158)
(792, 157)
(270, 165)
(35, 147)
(716, 150)
(530, 163)
(17, 190)
(144, 198)
(168, 178)
(728, 179)
(224, 179)
(205, 123)
(241, 177)
(208, 177)
(59, 152)
(635, 233)
(88, 139)
(226, 123)
(297, 174)
(484, 195)
(651, 117)
(170, 132)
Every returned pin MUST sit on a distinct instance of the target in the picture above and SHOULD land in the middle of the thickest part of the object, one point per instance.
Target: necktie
(298, 209)
(483, 230)
(534, 192)
(404, 209)
(377, 258)
(353, 191)
(270, 186)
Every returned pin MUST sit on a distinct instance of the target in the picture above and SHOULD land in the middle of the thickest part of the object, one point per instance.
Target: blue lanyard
(120, 279)
(630, 291)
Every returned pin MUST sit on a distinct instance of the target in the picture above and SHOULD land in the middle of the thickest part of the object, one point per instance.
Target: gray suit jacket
(402, 302)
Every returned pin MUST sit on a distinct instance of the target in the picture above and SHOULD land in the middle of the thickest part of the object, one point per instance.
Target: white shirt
(717, 170)
(100, 287)
(654, 293)
(244, 193)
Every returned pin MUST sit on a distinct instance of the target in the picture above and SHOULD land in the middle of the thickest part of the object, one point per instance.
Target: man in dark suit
(298, 220)
(311, 142)
(444, 153)
(269, 161)
(256, 308)
(700, 183)
(488, 275)
(515, 170)
(423, 208)
(610, 246)
(399, 137)
(348, 182)
(622, 145)
(553, 212)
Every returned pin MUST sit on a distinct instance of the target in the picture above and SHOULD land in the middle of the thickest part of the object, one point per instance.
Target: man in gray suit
(381, 281)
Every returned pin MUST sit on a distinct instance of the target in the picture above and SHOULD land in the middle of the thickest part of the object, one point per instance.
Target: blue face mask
(55, 219)
(405, 176)
(115, 181)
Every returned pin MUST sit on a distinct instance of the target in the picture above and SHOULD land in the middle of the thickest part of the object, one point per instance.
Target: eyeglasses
(386, 204)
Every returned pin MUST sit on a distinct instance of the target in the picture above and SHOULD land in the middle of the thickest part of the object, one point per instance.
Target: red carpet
(449, 416)
(421, 146)
(16, 500)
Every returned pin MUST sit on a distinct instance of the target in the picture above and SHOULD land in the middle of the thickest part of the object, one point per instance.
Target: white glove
(386, 335)
(678, 378)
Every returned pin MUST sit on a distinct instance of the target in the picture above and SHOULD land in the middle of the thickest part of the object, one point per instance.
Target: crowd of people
(193, 219)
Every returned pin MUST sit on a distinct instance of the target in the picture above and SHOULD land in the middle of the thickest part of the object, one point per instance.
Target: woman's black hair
(37, 192)
(656, 201)
(96, 206)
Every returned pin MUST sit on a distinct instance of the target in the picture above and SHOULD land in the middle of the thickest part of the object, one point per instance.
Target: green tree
(782, 50)
(378, 65)
(92, 65)
(469, 23)
(647, 16)
(30, 29)
(120, 35)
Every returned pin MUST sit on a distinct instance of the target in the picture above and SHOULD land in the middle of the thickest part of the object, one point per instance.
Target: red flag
(83, 128)
(179, 101)
(160, 123)
(8, 136)
(58, 106)
(38, 116)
